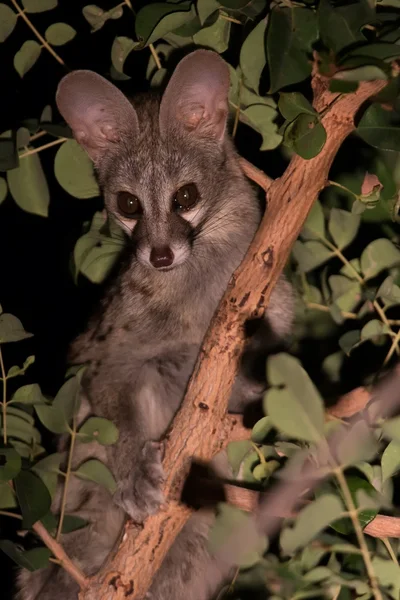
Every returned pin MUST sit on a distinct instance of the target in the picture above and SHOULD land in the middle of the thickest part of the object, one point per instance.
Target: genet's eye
(186, 197)
(129, 205)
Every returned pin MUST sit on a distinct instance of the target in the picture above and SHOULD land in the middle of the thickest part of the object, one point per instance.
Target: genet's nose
(161, 257)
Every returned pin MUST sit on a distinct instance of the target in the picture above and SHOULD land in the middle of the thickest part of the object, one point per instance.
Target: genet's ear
(197, 95)
(97, 112)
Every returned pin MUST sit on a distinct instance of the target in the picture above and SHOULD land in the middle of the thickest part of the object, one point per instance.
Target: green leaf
(26, 57)
(7, 497)
(378, 255)
(342, 86)
(230, 518)
(388, 574)
(340, 26)
(34, 559)
(10, 464)
(99, 430)
(318, 574)
(314, 227)
(21, 429)
(48, 470)
(293, 104)
(310, 521)
(155, 20)
(52, 418)
(33, 497)
(365, 515)
(8, 20)
(253, 57)
(11, 329)
(248, 8)
(310, 254)
(96, 16)
(15, 370)
(262, 118)
(21, 413)
(23, 137)
(94, 470)
(59, 34)
(293, 404)
(37, 6)
(391, 428)
(74, 171)
(374, 328)
(358, 445)
(215, 36)
(349, 340)
(332, 366)
(206, 8)
(348, 270)
(291, 34)
(389, 292)
(73, 523)
(28, 394)
(391, 456)
(365, 73)
(305, 135)
(67, 399)
(3, 189)
(28, 186)
(121, 48)
(343, 227)
(237, 451)
(261, 430)
(263, 471)
(346, 293)
(378, 50)
(99, 262)
(380, 128)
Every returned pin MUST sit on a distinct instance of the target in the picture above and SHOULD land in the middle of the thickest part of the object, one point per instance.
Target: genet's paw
(140, 494)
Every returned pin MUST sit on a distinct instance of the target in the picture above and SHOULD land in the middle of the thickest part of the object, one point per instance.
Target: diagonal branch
(290, 199)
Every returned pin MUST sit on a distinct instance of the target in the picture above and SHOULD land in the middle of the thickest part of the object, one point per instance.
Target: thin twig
(44, 147)
(155, 56)
(353, 514)
(7, 513)
(66, 481)
(256, 175)
(323, 308)
(44, 43)
(37, 135)
(228, 18)
(61, 555)
(389, 548)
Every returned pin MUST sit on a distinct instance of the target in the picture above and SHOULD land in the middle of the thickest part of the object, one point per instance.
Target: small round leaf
(28, 186)
(59, 34)
(37, 6)
(74, 171)
(100, 430)
(26, 57)
(8, 20)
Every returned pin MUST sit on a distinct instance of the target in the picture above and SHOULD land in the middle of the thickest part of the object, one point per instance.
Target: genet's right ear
(97, 112)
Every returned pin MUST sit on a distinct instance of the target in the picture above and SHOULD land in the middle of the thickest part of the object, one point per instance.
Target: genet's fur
(142, 344)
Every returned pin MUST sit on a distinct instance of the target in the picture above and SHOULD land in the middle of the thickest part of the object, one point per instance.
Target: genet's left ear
(196, 97)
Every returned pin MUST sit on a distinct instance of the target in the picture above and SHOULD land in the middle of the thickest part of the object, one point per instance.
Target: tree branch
(290, 199)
